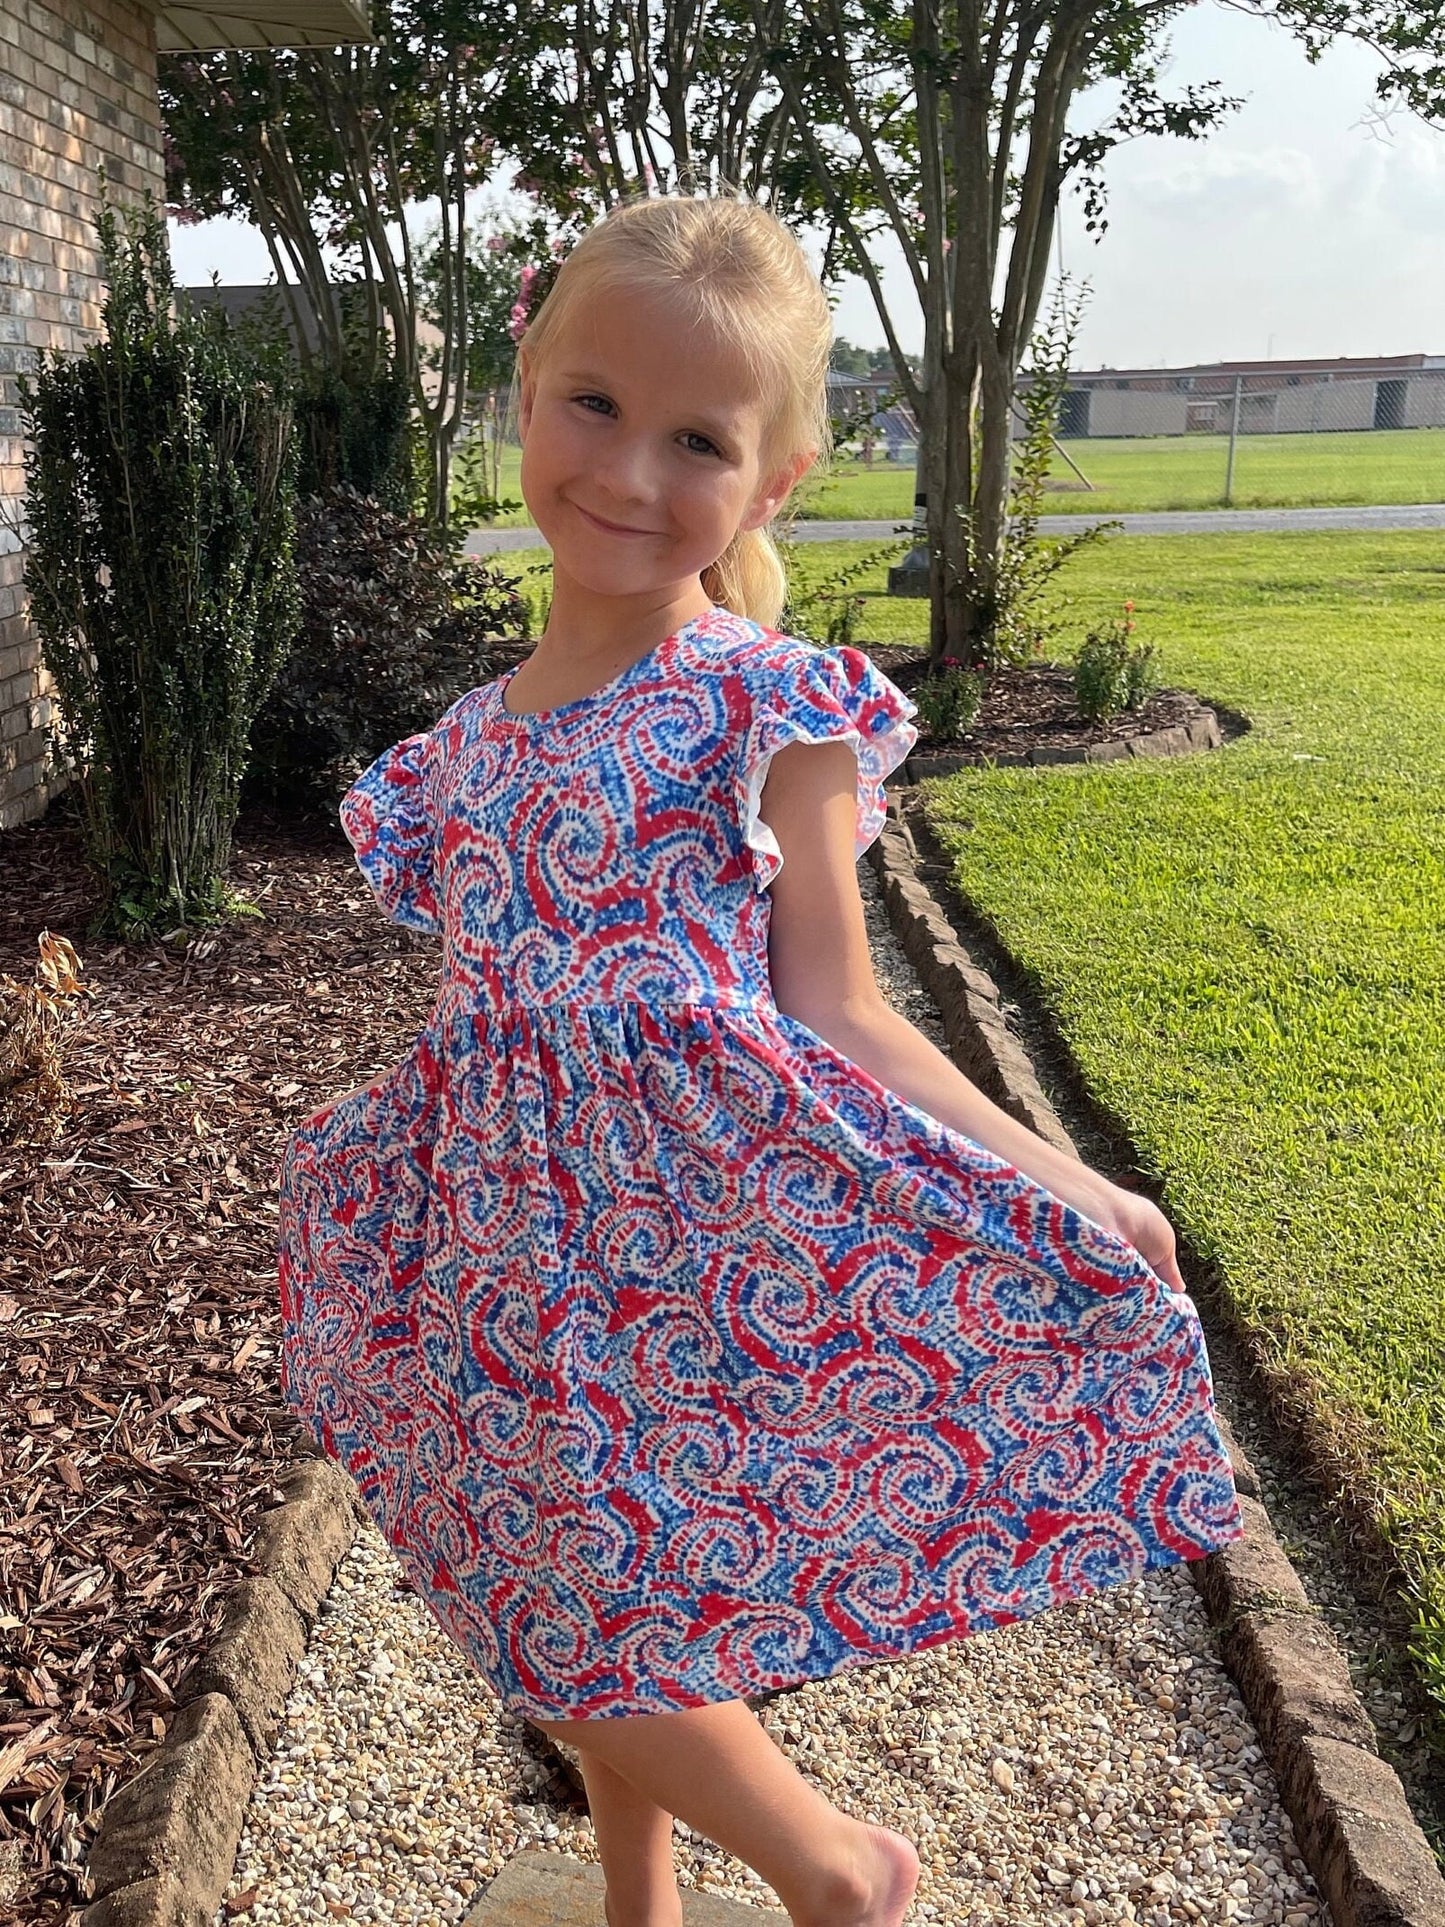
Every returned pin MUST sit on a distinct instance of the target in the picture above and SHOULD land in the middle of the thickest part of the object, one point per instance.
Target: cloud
(1221, 187)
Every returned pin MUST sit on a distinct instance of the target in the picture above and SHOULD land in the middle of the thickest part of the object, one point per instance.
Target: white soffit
(261, 23)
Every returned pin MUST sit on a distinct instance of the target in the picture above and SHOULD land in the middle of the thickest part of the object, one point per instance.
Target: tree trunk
(983, 367)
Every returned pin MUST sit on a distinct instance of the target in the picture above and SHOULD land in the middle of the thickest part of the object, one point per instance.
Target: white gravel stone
(1093, 1765)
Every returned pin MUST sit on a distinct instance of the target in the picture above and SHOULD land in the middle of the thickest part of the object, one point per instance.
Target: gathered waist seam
(471, 1006)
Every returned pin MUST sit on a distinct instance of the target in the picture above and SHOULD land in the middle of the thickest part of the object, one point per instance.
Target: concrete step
(537, 1889)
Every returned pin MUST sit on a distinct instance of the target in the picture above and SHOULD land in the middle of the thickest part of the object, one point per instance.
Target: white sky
(1303, 227)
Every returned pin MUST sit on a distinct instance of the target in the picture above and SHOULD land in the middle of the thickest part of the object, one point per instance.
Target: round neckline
(513, 716)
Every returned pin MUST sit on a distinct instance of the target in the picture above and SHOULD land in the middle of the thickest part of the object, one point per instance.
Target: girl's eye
(692, 435)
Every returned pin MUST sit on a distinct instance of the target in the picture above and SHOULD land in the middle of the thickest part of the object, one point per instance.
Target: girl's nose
(628, 473)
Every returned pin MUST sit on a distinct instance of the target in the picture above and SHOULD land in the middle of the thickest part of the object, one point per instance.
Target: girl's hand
(1145, 1226)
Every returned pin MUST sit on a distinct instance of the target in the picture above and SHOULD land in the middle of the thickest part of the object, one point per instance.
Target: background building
(1272, 397)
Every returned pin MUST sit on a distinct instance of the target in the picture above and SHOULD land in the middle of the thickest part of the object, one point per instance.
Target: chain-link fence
(1264, 437)
(1268, 437)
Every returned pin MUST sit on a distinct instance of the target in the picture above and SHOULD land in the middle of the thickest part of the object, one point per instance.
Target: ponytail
(749, 578)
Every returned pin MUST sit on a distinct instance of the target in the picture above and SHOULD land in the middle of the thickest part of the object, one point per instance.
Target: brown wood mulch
(1032, 707)
(141, 1424)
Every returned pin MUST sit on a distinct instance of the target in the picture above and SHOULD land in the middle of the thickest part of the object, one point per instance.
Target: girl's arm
(822, 974)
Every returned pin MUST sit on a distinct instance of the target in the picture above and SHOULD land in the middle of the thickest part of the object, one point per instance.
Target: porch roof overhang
(198, 28)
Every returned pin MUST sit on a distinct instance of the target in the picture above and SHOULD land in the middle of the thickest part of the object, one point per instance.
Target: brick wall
(77, 87)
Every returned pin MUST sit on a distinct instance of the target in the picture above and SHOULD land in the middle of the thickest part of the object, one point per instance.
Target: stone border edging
(1356, 1831)
(1199, 730)
(165, 1848)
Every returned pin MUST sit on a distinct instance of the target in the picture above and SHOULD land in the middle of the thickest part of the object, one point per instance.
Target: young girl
(690, 1325)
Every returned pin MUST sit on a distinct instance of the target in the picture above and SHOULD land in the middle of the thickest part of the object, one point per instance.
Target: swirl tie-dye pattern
(677, 1357)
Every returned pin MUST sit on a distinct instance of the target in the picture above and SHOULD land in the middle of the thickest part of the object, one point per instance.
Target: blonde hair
(731, 265)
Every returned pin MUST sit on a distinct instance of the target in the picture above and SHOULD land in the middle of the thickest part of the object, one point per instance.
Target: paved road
(1426, 515)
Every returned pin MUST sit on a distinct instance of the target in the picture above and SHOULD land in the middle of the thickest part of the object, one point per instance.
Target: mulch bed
(142, 1427)
(1032, 707)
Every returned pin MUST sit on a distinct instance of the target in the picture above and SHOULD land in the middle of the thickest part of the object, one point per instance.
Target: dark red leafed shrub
(396, 624)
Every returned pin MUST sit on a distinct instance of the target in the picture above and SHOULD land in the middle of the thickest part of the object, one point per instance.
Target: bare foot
(902, 1862)
(898, 1873)
(883, 1887)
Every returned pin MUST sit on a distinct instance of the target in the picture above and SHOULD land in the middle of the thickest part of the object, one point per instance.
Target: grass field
(1160, 472)
(1270, 471)
(1246, 951)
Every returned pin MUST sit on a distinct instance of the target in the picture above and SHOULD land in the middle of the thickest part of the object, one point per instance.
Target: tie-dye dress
(677, 1357)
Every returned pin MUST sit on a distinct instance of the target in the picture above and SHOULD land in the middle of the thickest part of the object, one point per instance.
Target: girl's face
(640, 448)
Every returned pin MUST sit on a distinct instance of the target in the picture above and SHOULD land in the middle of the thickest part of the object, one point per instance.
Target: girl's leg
(721, 1772)
(634, 1843)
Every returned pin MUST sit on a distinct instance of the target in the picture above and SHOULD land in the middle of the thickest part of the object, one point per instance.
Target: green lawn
(1270, 471)
(1158, 472)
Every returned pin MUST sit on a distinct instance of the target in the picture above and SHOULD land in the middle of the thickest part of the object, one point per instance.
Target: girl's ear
(771, 496)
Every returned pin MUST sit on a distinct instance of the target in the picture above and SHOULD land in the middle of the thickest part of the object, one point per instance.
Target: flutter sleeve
(812, 695)
(387, 818)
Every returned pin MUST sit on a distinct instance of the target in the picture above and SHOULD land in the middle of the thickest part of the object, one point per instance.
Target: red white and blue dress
(677, 1357)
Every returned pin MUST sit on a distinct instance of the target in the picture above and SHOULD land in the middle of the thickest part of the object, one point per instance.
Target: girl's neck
(587, 632)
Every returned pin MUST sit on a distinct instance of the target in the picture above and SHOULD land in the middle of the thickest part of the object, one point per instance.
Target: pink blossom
(495, 243)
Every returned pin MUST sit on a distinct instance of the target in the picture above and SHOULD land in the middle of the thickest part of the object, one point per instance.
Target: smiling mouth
(612, 528)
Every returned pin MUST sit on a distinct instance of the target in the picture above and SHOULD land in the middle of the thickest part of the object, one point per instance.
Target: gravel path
(1091, 1765)
(1423, 515)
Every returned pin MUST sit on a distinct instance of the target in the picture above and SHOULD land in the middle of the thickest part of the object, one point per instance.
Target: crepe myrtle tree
(327, 151)
(956, 115)
(951, 134)
(661, 96)
(331, 151)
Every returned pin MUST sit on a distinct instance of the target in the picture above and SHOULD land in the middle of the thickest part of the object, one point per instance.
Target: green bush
(473, 504)
(351, 399)
(949, 699)
(395, 625)
(160, 516)
(355, 432)
(1109, 675)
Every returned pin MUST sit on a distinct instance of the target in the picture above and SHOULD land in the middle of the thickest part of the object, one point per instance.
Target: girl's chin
(592, 573)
